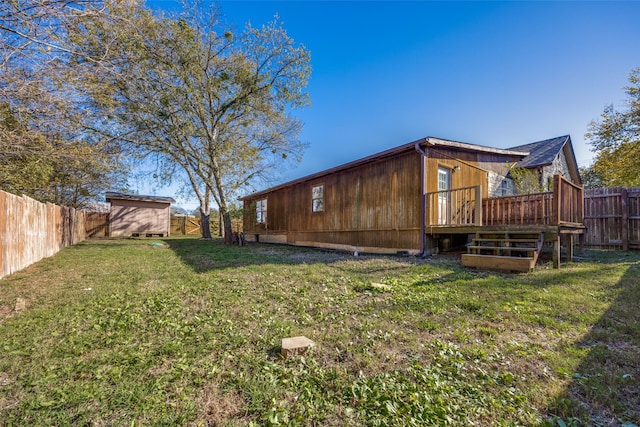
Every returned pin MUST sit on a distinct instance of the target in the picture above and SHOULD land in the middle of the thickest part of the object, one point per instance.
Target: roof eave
(428, 141)
(355, 163)
(138, 198)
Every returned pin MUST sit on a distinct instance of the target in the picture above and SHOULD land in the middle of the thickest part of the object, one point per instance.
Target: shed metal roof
(112, 195)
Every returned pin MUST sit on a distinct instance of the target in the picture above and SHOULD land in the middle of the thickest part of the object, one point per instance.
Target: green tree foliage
(45, 149)
(590, 179)
(215, 103)
(615, 139)
(526, 181)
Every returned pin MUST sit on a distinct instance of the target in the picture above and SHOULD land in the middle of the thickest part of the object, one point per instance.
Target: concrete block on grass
(21, 305)
(295, 345)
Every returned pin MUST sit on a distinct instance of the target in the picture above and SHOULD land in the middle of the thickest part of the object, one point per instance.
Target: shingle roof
(541, 153)
(475, 147)
(138, 197)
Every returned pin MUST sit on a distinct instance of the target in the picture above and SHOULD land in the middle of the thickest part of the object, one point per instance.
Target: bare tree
(215, 104)
(45, 151)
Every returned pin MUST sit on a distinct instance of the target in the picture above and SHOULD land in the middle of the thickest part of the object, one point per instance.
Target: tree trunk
(205, 225)
(228, 232)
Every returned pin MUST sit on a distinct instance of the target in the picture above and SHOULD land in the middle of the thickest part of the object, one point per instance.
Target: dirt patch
(220, 409)
(5, 311)
(5, 380)
(8, 401)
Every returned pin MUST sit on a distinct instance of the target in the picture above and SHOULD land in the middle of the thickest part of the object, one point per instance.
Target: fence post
(624, 207)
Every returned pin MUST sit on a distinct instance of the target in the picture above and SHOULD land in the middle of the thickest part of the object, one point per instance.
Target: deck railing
(461, 206)
(524, 209)
(563, 206)
(569, 199)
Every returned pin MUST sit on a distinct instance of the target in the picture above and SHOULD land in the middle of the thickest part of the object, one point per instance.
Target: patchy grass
(119, 332)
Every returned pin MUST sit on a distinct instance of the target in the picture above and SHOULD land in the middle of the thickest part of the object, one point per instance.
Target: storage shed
(139, 215)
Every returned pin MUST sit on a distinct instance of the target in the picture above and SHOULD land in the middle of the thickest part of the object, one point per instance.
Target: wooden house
(138, 215)
(425, 196)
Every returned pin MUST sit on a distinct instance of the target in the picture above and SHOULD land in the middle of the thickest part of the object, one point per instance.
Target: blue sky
(500, 74)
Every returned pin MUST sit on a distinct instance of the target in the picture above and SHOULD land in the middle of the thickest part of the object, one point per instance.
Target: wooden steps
(508, 250)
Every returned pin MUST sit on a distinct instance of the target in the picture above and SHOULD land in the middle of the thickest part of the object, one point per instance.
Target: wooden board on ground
(496, 262)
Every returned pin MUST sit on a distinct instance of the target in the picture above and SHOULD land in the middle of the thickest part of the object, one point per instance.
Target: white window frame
(504, 187)
(261, 211)
(444, 184)
(317, 198)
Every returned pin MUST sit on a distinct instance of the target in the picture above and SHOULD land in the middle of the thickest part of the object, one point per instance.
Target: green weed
(118, 332)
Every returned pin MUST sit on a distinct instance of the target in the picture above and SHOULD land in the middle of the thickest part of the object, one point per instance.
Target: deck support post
(556, 251)
(570, 247)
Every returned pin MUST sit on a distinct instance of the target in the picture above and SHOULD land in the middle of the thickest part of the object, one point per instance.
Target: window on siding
(504, 187)
(261, 211)
(317, 198)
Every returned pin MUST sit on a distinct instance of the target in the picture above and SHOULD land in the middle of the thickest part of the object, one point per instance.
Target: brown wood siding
(470, 173)
(132, 216)
(375, 205)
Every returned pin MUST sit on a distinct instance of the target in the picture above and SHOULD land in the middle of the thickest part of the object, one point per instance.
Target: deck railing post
(580, 218)
(427, 208)
(557, 204)
(478, 205)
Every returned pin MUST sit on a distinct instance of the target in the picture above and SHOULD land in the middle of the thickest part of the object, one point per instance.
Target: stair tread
(476, 239)
(503, 248)
(499, 256)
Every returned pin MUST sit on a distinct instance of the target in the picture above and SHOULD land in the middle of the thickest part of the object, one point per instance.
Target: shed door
(444, 184)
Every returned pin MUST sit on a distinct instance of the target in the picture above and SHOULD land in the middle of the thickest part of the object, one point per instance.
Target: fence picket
(612, 217)
(30, 231)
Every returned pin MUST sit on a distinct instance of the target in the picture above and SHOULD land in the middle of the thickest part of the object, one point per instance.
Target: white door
(444, 183)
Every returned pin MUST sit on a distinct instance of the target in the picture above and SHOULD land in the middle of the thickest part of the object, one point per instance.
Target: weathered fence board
(189, 225)
(96, 224)
(612, 217)
(30, 231)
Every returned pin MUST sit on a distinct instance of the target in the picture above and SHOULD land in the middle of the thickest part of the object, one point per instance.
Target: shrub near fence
(30, 231)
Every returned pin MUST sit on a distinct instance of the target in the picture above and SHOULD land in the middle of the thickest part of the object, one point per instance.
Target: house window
(317, 198)
(504, 187)
(261, 211)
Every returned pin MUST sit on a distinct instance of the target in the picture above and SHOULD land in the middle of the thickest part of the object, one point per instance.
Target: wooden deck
(556, 215)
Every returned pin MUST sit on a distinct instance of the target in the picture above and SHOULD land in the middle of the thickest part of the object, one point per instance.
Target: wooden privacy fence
(96, 224)
(612, 217)
(190, 225)
(30, 231)
(185, 225)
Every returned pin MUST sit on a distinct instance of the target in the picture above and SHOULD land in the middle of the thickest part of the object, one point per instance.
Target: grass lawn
(120, 332)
